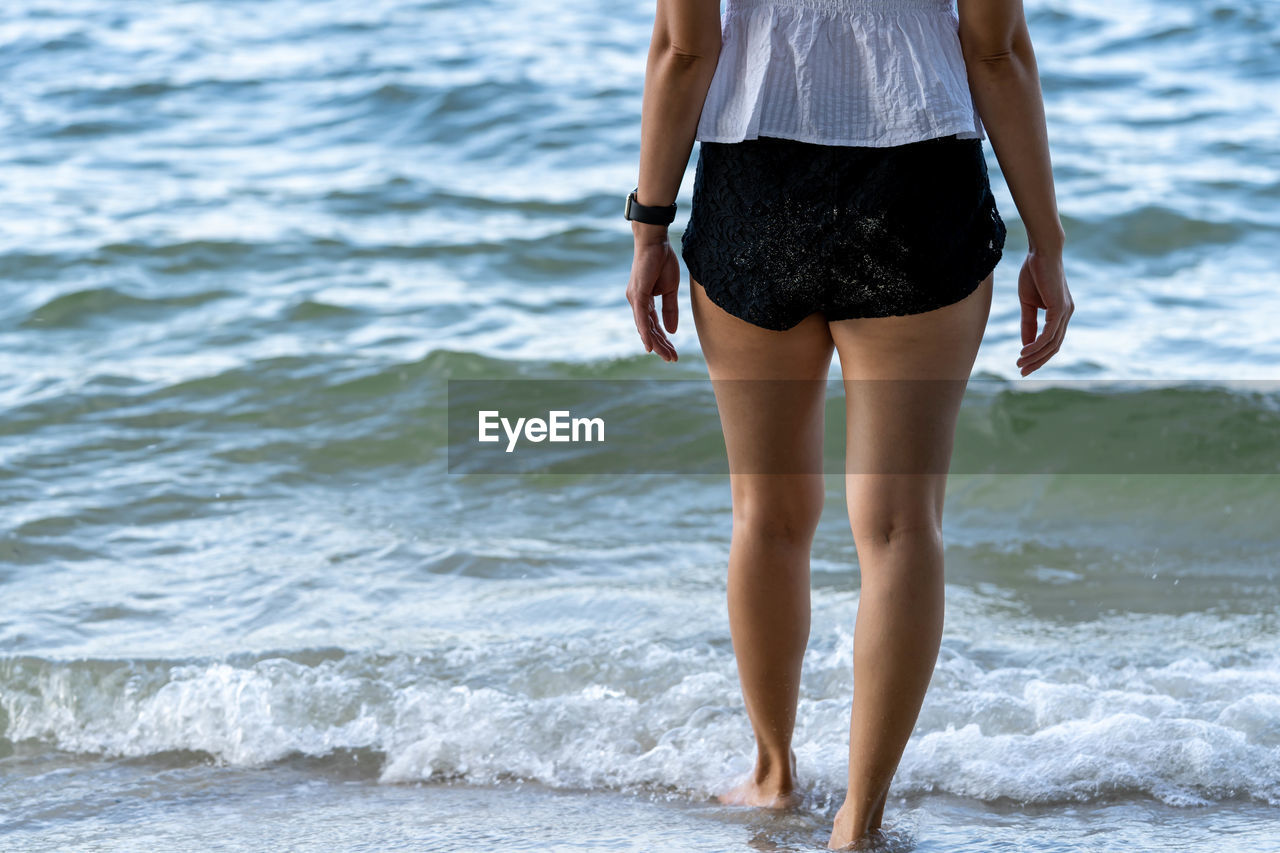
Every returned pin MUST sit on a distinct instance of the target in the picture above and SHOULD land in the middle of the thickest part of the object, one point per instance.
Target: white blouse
(839, 72)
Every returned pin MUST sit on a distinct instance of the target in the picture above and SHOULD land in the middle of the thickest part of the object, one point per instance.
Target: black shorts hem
(727, 298)
(960, 290)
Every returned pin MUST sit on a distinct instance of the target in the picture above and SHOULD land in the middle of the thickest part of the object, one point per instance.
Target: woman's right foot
(846, 841)
(843, 836)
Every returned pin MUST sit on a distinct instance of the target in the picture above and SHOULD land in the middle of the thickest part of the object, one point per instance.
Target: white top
(839, 72)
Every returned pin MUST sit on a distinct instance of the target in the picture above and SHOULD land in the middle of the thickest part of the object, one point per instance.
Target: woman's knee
(891, 527)
(780, 509)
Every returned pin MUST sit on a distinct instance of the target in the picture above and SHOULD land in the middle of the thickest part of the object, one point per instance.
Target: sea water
(247, 605)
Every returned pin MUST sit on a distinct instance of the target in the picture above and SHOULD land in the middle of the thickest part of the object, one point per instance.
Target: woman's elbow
(693, 54)
(998, 55)
(992, 57)
(994, 38)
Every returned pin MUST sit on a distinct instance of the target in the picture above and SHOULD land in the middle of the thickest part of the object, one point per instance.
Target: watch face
(626, 211)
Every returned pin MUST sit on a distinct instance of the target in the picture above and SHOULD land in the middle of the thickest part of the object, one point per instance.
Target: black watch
(637, 212)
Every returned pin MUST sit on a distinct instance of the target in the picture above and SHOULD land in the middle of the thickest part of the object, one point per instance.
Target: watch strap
(648, 214)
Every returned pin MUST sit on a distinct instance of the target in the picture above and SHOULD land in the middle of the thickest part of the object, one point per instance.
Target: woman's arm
(1006, 92)
(682, 60)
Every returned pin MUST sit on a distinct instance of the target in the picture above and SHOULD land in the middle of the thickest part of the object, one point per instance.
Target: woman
(841, 201)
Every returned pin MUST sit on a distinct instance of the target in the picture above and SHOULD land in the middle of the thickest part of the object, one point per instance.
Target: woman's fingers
(640, 308)
(1030, 316)
(1029, 298)
(1053, 325)
(664, 346)
(670, 310)
(1027, 364)
(1030, 319)
(1055, 319)
(1042, 285)
(649, 266)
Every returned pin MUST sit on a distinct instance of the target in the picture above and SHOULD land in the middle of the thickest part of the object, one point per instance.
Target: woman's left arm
(683, 53)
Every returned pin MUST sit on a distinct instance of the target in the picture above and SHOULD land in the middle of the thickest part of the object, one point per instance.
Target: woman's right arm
(1005, 86)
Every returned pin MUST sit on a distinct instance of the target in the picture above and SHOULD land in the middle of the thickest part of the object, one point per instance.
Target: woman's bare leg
(770, 390)
(904, 380)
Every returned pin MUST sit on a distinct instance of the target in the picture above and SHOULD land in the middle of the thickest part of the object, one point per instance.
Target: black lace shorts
(781, 229)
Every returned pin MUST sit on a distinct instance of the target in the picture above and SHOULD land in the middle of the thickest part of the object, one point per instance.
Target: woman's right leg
(770, 390)
(904, 379)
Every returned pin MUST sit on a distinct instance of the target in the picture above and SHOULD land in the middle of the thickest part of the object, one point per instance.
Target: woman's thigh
(904, 378)
(770, 389)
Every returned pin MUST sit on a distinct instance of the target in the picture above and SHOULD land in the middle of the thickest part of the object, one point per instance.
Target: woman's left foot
(767, 794)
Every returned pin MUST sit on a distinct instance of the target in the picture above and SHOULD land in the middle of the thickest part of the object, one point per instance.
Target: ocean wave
(650, 715)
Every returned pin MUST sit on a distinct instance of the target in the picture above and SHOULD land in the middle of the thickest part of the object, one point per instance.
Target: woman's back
(839, 72)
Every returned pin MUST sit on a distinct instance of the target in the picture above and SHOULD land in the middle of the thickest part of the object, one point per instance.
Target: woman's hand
(655, 271)
(1042, 284)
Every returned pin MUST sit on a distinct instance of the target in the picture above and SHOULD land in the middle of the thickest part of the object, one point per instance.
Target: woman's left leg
(770, 390)
(904, 382)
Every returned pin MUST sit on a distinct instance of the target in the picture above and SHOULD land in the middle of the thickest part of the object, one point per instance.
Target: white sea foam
(1002, 719)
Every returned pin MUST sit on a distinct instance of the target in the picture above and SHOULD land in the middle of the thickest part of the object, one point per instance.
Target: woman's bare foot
(863, 843)
(777, 792)
(844, 838)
